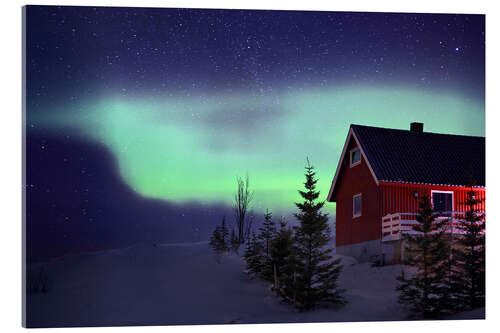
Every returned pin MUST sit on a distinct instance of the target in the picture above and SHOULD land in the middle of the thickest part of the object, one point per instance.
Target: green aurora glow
(192, 148)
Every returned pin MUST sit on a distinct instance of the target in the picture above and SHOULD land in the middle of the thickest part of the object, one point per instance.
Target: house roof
(420, 157)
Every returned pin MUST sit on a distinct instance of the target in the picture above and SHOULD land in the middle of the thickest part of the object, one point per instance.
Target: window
(356, 205)
(355, 157)
(442, 202)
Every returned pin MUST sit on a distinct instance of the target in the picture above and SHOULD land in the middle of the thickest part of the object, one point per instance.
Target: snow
(155, 284)
(473, 314)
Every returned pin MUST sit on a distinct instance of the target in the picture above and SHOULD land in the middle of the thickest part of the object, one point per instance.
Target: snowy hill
(183, 284)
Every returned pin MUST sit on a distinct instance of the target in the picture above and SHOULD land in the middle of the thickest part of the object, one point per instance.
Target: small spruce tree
(469, 254)
(234, 242)
(253, 255)
(219, 240)
(316, 275)
(266, 235)
(290, 284)
(281, 247)
(224, 241)
(215, 238)
(426, 292)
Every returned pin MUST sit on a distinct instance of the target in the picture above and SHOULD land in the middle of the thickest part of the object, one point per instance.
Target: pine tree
(469, 253)
(253, 255)
(224, 241)
(266, 235)
(214, 238)
(316, 274)
(281, 248)
(426, 292)
(219, 240)
(289, 284)
(234, 242)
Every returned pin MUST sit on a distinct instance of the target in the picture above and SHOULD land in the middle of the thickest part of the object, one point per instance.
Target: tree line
(297, 260)
(447, 272)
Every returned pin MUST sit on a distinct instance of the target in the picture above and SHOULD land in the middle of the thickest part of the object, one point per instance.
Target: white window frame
(350, 157)
(452, 199)
(354, 215)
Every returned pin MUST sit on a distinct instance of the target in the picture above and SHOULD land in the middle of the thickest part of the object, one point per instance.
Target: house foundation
(362, 252)
(376, 251)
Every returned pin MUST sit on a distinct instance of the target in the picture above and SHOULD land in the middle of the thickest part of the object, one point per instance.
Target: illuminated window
(442, 202)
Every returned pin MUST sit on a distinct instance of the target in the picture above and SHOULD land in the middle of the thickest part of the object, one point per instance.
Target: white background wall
(10, 156)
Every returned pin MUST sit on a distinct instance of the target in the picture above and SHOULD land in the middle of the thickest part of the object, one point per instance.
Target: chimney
(417, 127)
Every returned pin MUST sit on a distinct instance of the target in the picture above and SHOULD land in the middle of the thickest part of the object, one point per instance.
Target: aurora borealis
(187, 100)
(192, 149)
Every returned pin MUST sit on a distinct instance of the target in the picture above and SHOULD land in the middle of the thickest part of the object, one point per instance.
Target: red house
(383, 172)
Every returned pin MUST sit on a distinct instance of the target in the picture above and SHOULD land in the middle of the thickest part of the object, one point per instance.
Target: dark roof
(422, 157)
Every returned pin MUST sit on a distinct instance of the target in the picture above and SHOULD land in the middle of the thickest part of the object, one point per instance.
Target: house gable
(351, 142)
(357, 213)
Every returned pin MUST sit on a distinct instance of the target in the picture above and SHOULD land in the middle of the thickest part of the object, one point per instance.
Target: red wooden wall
(357, 179)
(399, 197)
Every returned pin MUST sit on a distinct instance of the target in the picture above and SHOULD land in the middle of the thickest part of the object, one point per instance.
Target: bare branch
(242, 201)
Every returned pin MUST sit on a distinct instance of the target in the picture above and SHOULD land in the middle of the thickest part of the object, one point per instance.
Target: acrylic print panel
(191, 166)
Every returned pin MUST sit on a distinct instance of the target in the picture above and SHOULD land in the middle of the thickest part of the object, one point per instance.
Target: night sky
(139, 120)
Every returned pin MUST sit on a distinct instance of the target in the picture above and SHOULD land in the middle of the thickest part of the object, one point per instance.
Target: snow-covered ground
(183, 284)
